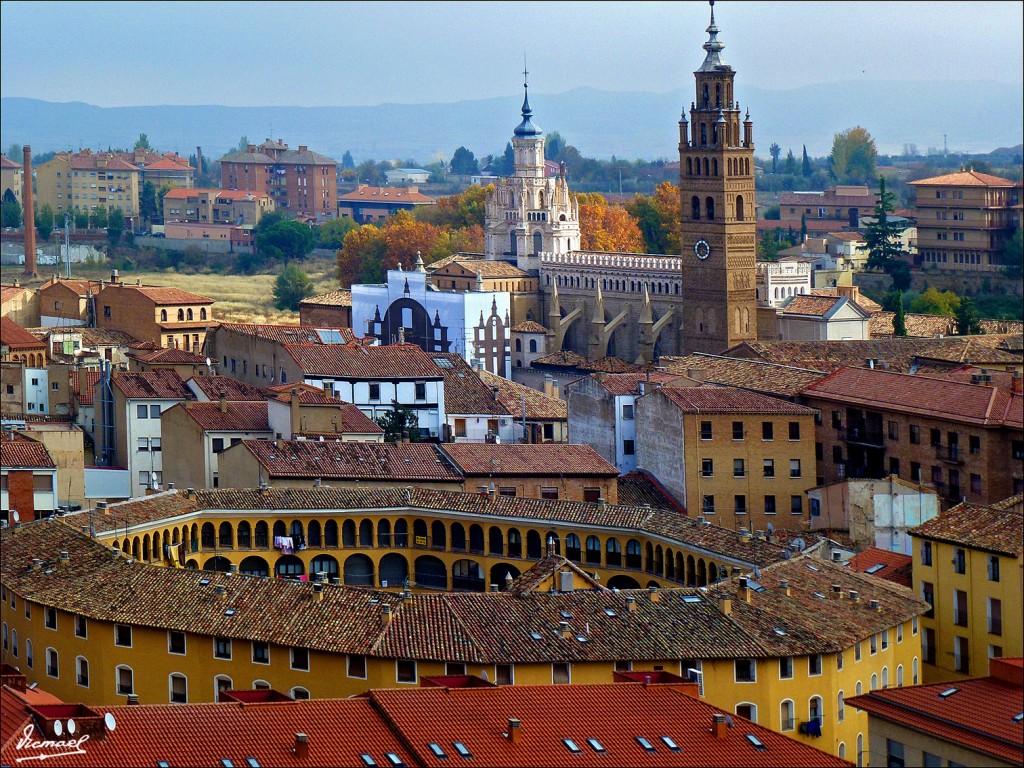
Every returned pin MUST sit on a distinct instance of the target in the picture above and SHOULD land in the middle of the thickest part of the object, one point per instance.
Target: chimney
(725, 606)
(784, 586)
(199, 160)
(294, 410)
(1016, 383)
(743, 592)
(837, 590)
(318, 593)
(385, 613)
(114, 278)
(631, 604)
(875, 606)
(133, 699)
(303, 148)
(65, 555)
(744, 533)
(719, 728)
(223, 401)
(654, 593)
(515, 730)
(854, 596)
(301, 749)
(29, 212)
(563, 628)
(233, 568)
(494, 393)
(494, 587)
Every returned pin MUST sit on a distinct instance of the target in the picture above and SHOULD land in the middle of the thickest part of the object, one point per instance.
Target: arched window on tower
(706, 171)
(709, 208)
(696, 167)
(703, 135)
(739, 207)
(538, 241)
(714, 166)
(513, 246)
(540, 199)
(689, 166)
(695, 205)
(718, 95)
(714, 135)
(706, 95)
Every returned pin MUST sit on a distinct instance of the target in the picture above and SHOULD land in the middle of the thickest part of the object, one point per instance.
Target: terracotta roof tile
(166, 164)
(169, 355)
(6, 162)
(964, 179)
(919, 394)
(712, 398)
(464, 392)
(895, 566)
(539, 407)
(286, 334)
(16, 337)
(212, 386)
(486, 268)
(307, 393)
(23, 454)
(240, 416)
(534, 459)
(331, 460)
(978, 715)
(755, 375)
(528, 326)
(397, 361)
(628, 383)
(11, 292)
(81, 287)
(385, 195)
(639, 488)
(332, 299)
(997, 528)
(570, 359)
(83, 385)
(161, 295)
(163, 384)
(804, 304)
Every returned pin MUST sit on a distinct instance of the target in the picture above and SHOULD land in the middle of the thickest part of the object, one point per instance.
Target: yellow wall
(975, 582)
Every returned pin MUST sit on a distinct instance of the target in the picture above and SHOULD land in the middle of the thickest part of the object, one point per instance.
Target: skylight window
(330, 336)
(443, 362)
(572, 746)
(394, 759)
(819, 596)
(1018, 717)
(755, 586)
(229, 612)
(581, 638)
(597, 746)
(756, 742)
(252, 762)
(162, 764)
(670, 743)
(948, 692)
(811, 567)
(226, 763)
(536, 636)
(610, 612)
(438, 752)
(368, 760)
(779, 632)
(566, 615)
(647, 746)
(462, 750)
(691, 599)
(875, 568)
(204, 581)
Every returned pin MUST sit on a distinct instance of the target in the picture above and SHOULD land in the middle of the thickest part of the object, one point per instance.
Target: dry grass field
(240, 298)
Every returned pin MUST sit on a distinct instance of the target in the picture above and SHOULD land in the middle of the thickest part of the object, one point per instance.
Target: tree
(81, 219)
(98, 217)
(44, 223)
(882, 236)
(899, 318)
(657, 216)
(347, 161)
(806, 165)
(147, 203)
(361, 258)
(369, 172)
(901, 276)
(464, 163)
(553, 145)
(770, 243)
(935, 302)
(332, 233)
(508, 160)
(607, 228)
(1013, 256)
(10, 211)
(775, 151)
(285, 240)
(853, 156)
(803, 227)
(142, 142)
(243, 143)
(465, 209)
(399, 422)
(968, 322)
(291, 287)
(115, 226)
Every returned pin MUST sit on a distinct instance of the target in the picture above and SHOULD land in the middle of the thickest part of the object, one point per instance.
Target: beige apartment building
(216, 206)
(167, 316)
(10, 177)
(964, 220)
(86, 181)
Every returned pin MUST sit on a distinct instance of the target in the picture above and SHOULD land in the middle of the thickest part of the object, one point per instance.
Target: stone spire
(598, 307)
(713, 46)
(526, 128)
(646, 314)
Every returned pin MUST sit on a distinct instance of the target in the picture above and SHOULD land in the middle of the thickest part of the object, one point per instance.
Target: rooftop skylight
(647, 746)
(571, 745)
(948, 692)
(875, 568)
(756, 742)
(670, 743)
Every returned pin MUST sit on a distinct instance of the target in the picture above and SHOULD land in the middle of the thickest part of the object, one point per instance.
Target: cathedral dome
(527, 129)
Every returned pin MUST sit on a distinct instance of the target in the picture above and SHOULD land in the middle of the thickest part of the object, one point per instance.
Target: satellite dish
(58, 727)
(209, 363)
(483, 674)
(729, 721)
(771, 528)
(16, 516)
(108, 720)
(786, 554)
(71, 727)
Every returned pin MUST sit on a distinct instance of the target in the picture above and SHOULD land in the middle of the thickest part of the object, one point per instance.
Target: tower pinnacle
(713, 46)
(527, 128)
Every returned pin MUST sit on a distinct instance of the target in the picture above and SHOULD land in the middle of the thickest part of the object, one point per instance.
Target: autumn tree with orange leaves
(605, 227)
(657, 216)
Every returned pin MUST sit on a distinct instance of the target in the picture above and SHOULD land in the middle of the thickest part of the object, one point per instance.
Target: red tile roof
(895, 566)
(964, 179)
(6, 162)
(212, 386)
(166, 164)
(308, 394)
(332, 460)
(978, 715)
(502, 459)
(996, 528)
(922, 395)
(16, 337)
(569, 359)
(168, 355)
(24, 454)
(528, 326)
(11, 292)
(81, 287)
(240, 416)
(756, 375)
(285, 334)
(162, 295)
(397, 361)
(711, 398)
(83, 384)
(465, 393)
(640, 488)
(619, 384)
(804, 304)
(353, 422)
(163, 384)
(385, 195)
(101, 161)
(511, 394)
(332, 299)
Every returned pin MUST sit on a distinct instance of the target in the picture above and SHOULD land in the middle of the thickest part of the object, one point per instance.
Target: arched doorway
(359, 571)
(289, 567)
(217, 563)
(254, 566)
(430, 573)
(394, 570)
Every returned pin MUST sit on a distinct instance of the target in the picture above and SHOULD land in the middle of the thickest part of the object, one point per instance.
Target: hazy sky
(341, 53)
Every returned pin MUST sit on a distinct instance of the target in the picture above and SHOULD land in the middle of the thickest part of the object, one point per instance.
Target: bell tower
(718, 228)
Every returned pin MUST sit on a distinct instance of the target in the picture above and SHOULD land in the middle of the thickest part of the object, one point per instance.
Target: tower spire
(713, 46)
(526, 127)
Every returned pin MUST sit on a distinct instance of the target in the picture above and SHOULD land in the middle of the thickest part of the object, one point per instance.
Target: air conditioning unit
(841, 470)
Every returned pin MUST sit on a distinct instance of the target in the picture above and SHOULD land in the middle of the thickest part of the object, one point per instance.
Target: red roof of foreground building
(976, 714)
(14, 336)
(212, 387)
(894, 566)
(711, 398)
(396, 361)
(163, 384)
(964, 179)
(237, 416)
(603, 724)
(22, 453)
(503, 459)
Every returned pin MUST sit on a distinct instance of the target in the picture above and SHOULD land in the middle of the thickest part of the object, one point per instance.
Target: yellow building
(968, 565)
(10, 177)
(85, 181)
(96, 626)
(739, 458)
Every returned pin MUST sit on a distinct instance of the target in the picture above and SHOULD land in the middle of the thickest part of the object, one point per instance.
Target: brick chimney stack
(29, 212)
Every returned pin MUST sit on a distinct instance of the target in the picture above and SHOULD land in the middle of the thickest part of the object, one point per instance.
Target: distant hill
(975, 116)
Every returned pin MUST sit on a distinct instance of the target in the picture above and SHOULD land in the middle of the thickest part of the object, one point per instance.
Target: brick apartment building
(300, 182)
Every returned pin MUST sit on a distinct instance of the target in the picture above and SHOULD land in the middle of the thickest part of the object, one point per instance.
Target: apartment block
(87, 180)
(170, 317)
(300, 182)
(216, 206)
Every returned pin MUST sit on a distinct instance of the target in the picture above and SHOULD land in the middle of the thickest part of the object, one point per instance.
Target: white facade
(845, 321)
(407, 176)
(777, 281)
(625, 432)
(44, 494)
(473, 324)
(145, 446)
(36, 384)
(374, 397)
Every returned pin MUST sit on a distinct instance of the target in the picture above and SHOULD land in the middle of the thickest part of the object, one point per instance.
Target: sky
(367, 53)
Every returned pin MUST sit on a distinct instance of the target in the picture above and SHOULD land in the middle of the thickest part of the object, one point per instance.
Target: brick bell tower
(718, 229)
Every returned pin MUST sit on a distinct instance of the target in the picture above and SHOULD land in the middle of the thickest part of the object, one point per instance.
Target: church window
(703, 135)
(538, 242)
(695, 205)
(714, 135)
(705, 95)
(540, 199)
(714, 166)
(533, 345)
(689, 166)
(718, 95)
(513, 246)
(709, 208)
(519, 345)
(706, 172)
(739, 207)
(696, 167)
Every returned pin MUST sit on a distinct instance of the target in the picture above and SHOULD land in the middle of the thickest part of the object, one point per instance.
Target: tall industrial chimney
(30, 213)
(199, 160)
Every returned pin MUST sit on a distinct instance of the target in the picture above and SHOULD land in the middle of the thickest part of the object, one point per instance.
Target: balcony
(949, 453)
(862, 435)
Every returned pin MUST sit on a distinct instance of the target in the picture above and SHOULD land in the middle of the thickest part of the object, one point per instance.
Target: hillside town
(719, 475)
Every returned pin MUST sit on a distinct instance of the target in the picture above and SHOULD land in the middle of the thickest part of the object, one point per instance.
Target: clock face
(702, 249)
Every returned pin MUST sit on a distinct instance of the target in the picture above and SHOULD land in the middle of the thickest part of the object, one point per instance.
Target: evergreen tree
(399, 422)
(968, 322)
(882, 236)
(899, 319)
(291, 287)
(44, 223)
(790, 165)
(807, 170)
(347, 161)
(775, 151)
